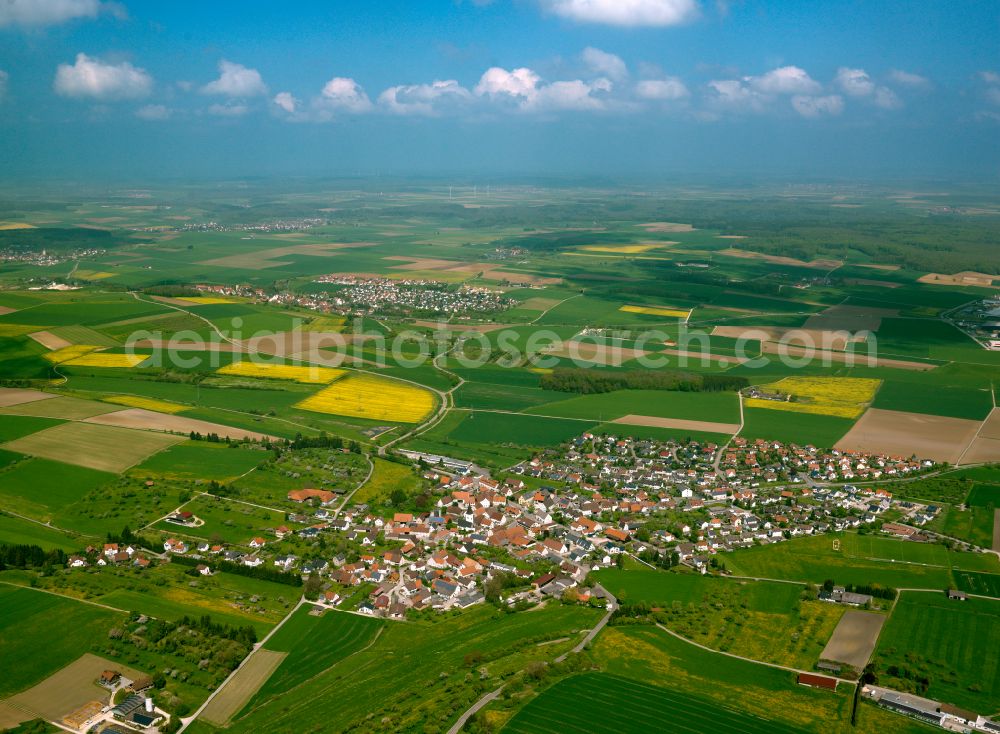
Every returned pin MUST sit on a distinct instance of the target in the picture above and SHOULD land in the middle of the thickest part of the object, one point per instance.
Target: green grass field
(40, 488)
(720, 407)
(973, 524)
(956, 402)
(949, 643)
(201, 460)
(225, 521)
(822, 431)
(518, 429)
(762, 620)
(16, 531)
(415, 674)
(314, 644)
(16, 426)
(984, 584)
(598, 702)
(386, 477)
(862, 559)
(29, 620)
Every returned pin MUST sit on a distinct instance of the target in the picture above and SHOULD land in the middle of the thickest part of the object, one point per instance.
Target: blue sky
(615, 88)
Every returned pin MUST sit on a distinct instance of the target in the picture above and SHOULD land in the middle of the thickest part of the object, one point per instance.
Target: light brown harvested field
(968, 277)
(876, 283)
(854, 638)
(684, 425)
(666, 227)
(595, 353)
(481, 328)
(877, 266)
(148, 420)
(172, 302)
(11, 396)
(67, 690)
(820, 264)
(101, 447)
(60, 407)
(822, 338)
(539, 303)
(189, 345)
(730, 236)
(982, 450)
(49, 340)
(834, 357)
(4, 310)
(11, 715)
(991, 426)
(897, 433)
(850, 318)
(242, 686)
(270, 258)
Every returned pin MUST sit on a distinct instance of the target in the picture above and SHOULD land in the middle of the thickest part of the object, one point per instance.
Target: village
(553, 519)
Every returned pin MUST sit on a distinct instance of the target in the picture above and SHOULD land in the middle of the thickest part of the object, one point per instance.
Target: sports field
(362, 395)
(598, 702)
(984, 584)
(105, 448)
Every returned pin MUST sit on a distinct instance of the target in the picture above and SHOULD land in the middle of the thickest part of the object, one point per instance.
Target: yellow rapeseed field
(308, 374)
(361, 395)
(67, 353)
(105, 359)
(620, 249)
(845, 397)
(673, 313)
(16, 225)
(135, 401)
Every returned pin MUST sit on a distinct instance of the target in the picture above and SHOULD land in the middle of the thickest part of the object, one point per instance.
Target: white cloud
(496, 82)
(990, 77)
(887, 99)
(734, 95)
(854, 82)
(423, 99)
(604, 63)
(993, 95)
(626, 12)
(153, 112)
(89, 77)
(785, 80)
(46, 12)
(342, 93)
(807, 106)
(236, 80)
(286, 101)
(908, 79)
(228, 110)
(4, 78)
(525, 88)
(670, 88)
(571, 95)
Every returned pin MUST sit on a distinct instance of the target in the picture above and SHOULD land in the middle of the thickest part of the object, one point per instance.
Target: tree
(398, 497)
(314, 585)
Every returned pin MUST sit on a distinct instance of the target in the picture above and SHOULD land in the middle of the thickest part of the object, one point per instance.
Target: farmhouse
(324, 496)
